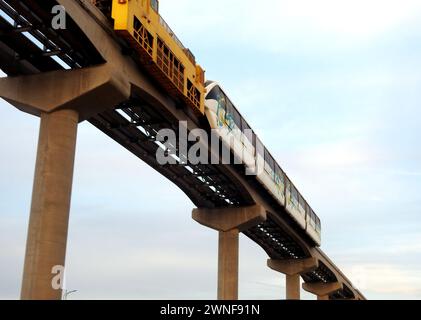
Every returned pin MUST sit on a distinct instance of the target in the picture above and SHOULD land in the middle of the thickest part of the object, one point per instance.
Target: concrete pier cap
(87, 91)
(293, 268)
(226, 219)
(322, 290)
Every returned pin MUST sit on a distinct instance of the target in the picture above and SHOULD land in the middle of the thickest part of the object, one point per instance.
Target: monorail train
(236, 134)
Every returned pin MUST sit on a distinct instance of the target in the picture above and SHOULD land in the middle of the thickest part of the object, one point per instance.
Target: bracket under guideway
(88, 91)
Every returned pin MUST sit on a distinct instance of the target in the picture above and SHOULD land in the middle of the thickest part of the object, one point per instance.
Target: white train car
(237, 135)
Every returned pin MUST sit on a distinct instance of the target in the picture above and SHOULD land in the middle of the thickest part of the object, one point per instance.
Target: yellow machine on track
(160, 51)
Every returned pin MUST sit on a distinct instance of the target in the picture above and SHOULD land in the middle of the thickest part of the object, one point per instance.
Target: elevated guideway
(86, 68)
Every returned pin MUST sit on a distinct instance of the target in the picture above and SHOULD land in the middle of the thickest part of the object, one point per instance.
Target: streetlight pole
(66, 293)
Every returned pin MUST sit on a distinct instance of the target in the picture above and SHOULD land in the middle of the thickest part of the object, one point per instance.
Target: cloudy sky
(333, 89)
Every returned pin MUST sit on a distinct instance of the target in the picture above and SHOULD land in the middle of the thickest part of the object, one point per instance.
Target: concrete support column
(293, 268)
(49, 217)
(293, 287)
(52, 96)
(229, 222)
(228, 265)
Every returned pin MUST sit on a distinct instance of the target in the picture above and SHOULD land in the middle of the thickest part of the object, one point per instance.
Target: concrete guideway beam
(323, 290)
(293, 268)
(91, 90)
(229, 222)
(340, 277)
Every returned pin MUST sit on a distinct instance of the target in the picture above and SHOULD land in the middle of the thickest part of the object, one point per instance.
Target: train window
(259, 147)
(287, 184)
(230, 115)
(278, 170)
(280, 174)
(237, 118)
(272, 165)
(269, 163)
(230, 108)
(244, 125)
(218, 95)
(214, 94)
(155, 5)
(302, 202)
(247, 130)
(294, 194)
